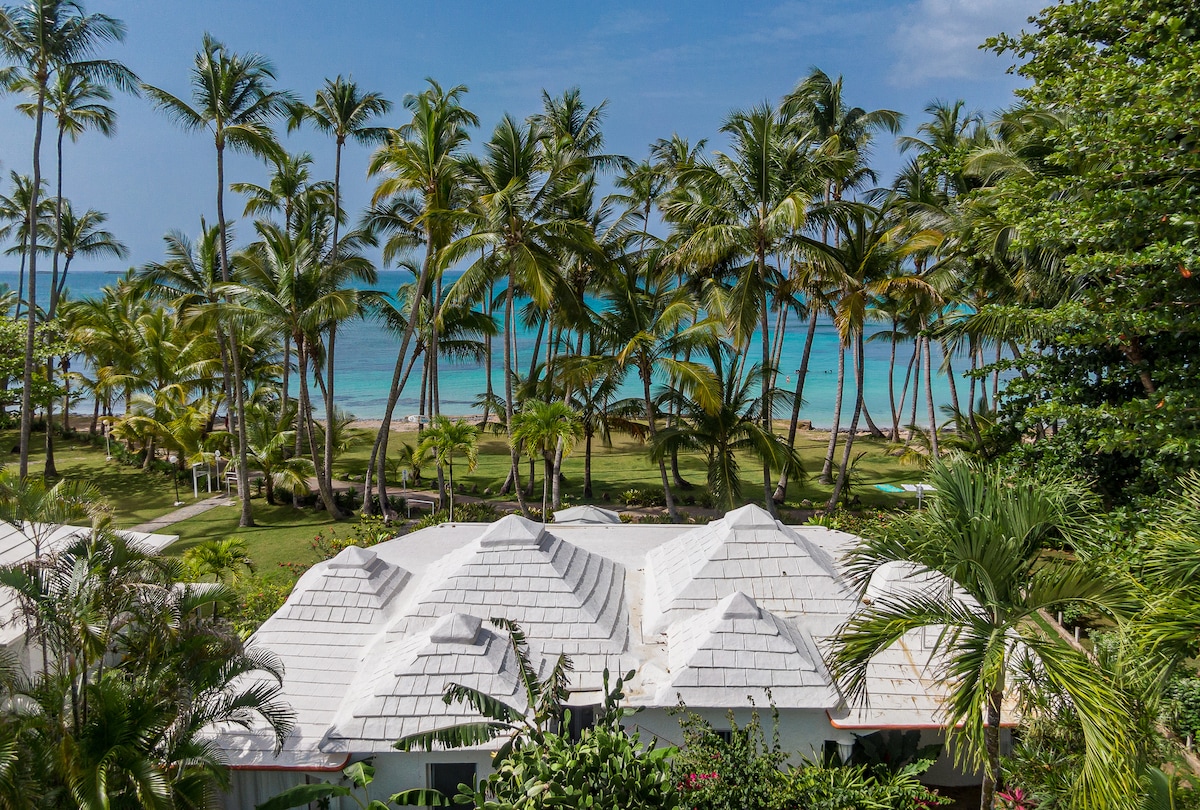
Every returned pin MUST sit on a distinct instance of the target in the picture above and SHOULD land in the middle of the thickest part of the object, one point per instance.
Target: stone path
(183, 513)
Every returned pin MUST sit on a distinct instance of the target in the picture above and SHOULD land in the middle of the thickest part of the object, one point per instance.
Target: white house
(713, 616)
(19, 544)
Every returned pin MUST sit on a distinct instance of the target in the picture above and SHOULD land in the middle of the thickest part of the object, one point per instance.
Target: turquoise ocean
(366, 357)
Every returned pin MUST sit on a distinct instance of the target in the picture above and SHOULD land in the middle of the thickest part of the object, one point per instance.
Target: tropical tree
(343, 111)
(520, 233)
(981, 574)
(41, 40)
(444, 439)
(724, 433)
(746, 203)
(543, 427)
(423, 189)
(77, 237)
(233, 101)
(271, 451)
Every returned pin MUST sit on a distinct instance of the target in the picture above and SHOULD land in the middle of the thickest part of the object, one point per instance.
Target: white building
(20, 544)
(713, 616)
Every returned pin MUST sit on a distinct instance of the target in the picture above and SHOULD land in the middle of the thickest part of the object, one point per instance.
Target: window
(447, 776)
(724, 734)
(581, 717)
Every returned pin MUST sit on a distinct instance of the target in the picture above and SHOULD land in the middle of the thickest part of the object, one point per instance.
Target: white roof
(738, 649)
(586, 514)
(18, 544)
(716, 614)
(402, 693)
(747, 551)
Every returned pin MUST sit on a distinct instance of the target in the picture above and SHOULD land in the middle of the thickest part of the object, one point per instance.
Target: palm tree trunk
(239, 399)
(514, 450)
(587, 464)
(662, 464)
(912, 416)
(892, 380)
(801, 374)
(450, 471)
(50, 469)
(377, 462)
(897, 411)
(827, 466)
(324, 490)
(933, 437)
(31, 310)
(948, 364)
(991, 742)
(768, 380)
(973, 349)
(839, 486)
(330, 410)
(547, 474)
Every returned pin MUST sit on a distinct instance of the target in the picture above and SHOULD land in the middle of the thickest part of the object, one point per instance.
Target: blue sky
(664, 67)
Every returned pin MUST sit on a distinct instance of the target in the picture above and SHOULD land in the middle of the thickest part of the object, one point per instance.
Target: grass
(133, 495)
(625, 465)
(282, 536)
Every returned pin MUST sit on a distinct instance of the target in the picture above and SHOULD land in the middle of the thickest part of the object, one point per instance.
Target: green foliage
(464, 513)
(1101, 224)
(361, 774)
(748, 772)
(1182, 706)
(892, 750)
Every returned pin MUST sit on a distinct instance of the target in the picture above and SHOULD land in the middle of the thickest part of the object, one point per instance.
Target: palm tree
(727, 431)
(14, 211)
(41, 40)
(425, 181)
(77, 104)
(646, 328)
(542, 427)
(520, 233)
(270, 451)
(340, 110)
(78, 237)
(981, 576)
(747, 202)
(445, 439)
(232, 100)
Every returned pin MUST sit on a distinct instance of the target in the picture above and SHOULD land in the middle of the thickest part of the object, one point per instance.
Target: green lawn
(282, 535)
(626, 465)
(134, 496)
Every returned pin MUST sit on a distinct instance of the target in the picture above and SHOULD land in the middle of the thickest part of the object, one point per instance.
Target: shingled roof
(747, 551)
(736, 651)
(401, 694)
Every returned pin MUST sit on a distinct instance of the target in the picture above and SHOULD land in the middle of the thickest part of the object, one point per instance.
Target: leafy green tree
(446, 438)
(979, 546)
(233, 101)
(605, 761)
(1113, 356)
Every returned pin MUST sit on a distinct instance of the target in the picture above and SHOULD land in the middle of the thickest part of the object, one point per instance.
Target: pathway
(183, 513)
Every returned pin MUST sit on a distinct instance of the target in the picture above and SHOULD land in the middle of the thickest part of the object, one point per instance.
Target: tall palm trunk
(377, 462)
(239, 399)
(898, 410)
(31, 310)
(892, 380)
(933, 437)
(324, 491)
(645, 371)
(991, 742)
(827, 466)
(329, 351)
(768, 379)
(514, 449)
(51, 470)
(840, 485)
(801, 374)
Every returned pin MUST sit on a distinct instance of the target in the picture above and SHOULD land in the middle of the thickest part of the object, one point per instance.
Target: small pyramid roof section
(735, 650)
(353, 587)
(513, 530)
(587, 515)
(402, 693)
(747, 551)
(569, 600)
